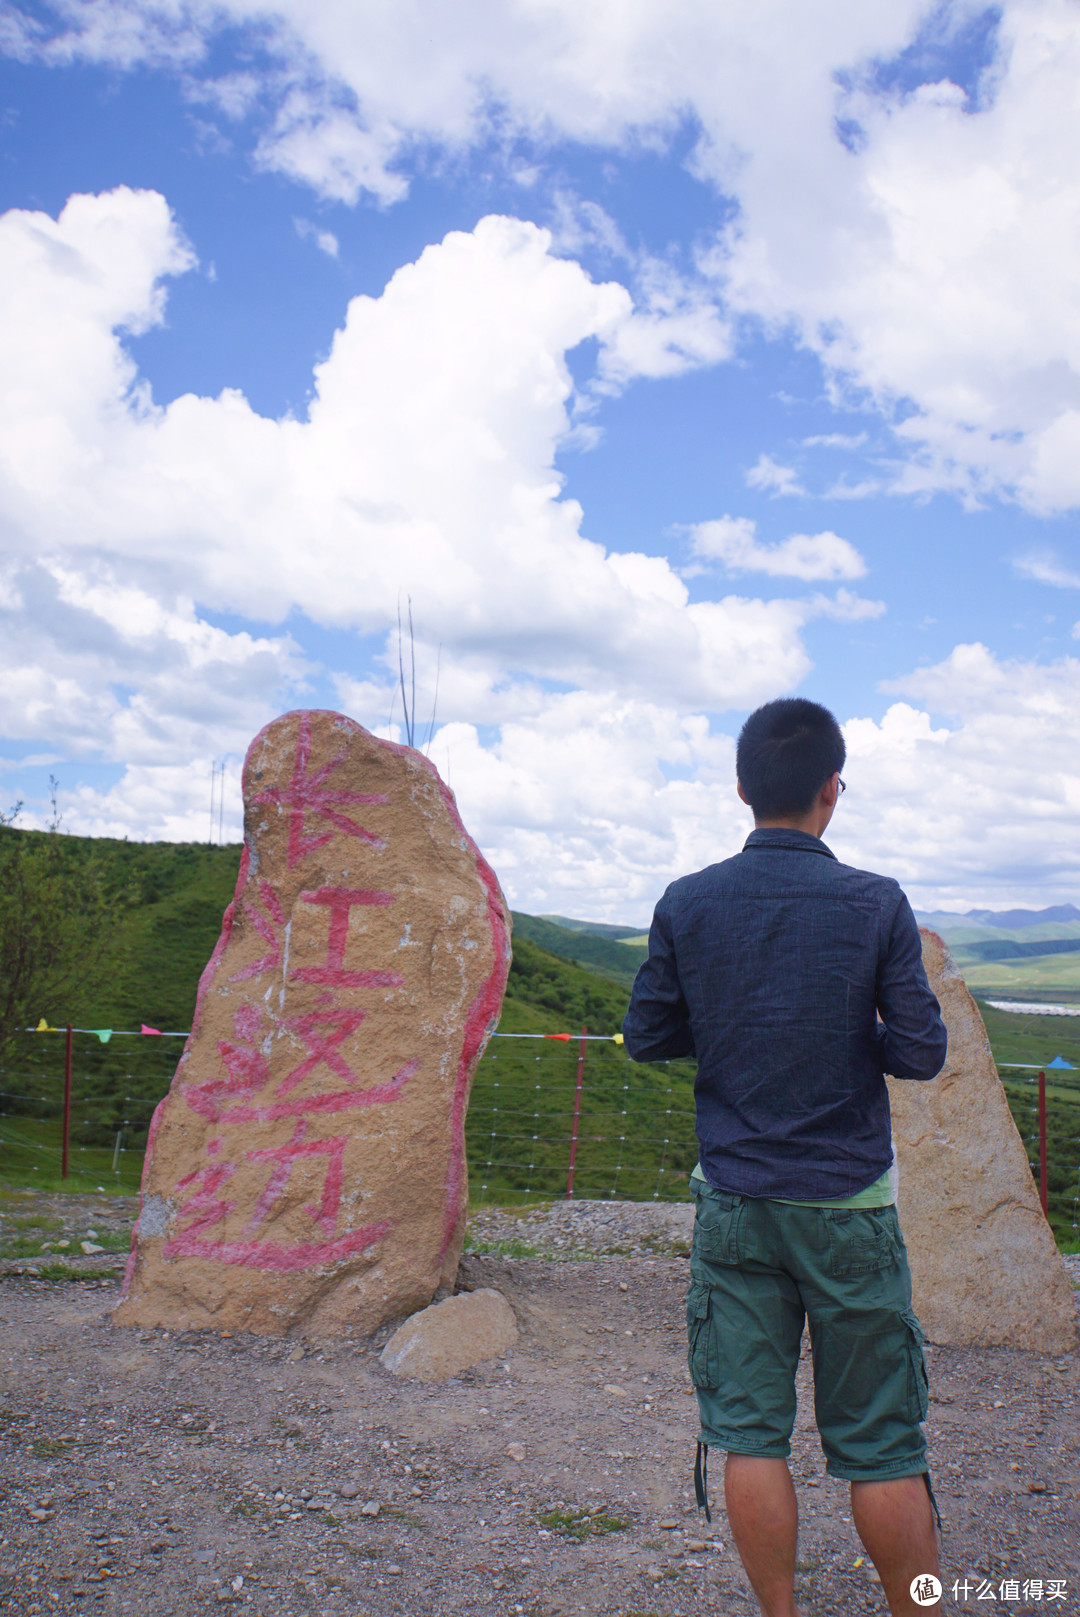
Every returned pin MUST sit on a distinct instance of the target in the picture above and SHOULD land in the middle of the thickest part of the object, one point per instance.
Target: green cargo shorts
(758, 1270)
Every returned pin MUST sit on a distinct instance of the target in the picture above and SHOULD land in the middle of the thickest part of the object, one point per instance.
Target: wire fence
(626, 1130)
(632, 1137)
(542, 1122)
(1048, 1121)
(112, 1102)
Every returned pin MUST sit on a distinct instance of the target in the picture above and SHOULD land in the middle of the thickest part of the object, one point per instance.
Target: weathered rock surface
(448, 1337)
(985, 1268)
(306, 1171)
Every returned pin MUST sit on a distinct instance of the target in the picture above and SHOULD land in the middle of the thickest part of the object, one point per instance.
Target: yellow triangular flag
(616, 1038)
(43, 1027)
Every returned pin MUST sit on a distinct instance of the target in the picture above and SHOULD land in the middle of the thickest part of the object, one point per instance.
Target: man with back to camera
(797, 982)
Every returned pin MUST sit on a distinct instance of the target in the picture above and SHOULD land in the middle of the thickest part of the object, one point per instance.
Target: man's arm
(657, 1025)
(912, 1041)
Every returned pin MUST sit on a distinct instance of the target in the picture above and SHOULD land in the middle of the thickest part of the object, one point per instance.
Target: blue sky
(822, 288)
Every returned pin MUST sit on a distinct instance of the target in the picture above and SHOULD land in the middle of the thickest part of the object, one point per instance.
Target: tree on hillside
(55, 919)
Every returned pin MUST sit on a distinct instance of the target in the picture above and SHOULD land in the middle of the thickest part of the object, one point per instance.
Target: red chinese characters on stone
(339, 901)
(240, 1093)
(269, 926)
(207, 1207)
(308, 793)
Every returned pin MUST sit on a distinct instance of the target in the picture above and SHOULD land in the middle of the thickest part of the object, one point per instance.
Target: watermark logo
(1021, 1590)
(925, 1590)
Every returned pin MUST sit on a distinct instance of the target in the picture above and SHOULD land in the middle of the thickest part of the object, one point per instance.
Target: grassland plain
(636, 1137)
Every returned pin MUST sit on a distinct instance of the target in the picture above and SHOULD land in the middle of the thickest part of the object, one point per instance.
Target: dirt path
(142, 1472)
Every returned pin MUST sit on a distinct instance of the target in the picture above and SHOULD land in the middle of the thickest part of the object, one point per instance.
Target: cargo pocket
(703, 1346)
(716, 1226)
(918, 1382)
(862, 1240)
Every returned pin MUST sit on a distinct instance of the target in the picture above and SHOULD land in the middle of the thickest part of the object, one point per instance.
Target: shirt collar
(782, 836)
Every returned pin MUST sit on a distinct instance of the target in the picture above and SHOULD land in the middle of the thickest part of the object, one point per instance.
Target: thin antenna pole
(412, 655)
(221, 807)
(401, 677)
(435, 703)
(213, 782)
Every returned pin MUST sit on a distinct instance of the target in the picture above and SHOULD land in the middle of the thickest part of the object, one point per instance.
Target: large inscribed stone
(306, 1171)
(984, 1264)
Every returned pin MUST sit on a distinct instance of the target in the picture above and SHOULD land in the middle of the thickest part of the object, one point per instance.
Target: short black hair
(786, 752)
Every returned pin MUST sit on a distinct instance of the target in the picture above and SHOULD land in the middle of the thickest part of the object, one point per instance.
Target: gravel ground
(148, 1472)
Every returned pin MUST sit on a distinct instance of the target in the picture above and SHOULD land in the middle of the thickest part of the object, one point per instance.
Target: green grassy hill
(636, 1134)
(608, 956)
(636, 1126)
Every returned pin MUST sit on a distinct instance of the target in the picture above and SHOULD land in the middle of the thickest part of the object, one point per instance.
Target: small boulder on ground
(451, 1336)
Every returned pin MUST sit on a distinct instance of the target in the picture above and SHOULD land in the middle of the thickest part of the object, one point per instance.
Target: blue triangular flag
(1059, 1061)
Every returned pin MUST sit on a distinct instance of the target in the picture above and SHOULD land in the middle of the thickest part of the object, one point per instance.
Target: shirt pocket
(716, 1227)
(702, 1338)
(862, 1240)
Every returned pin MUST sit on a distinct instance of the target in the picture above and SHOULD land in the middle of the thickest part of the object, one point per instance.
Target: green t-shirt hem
(879, 1194)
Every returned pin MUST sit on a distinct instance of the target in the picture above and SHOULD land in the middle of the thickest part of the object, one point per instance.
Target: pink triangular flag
(145, 1029)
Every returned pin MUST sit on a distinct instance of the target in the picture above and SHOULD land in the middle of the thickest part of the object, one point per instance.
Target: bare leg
(896, 1524)
(764, 1517)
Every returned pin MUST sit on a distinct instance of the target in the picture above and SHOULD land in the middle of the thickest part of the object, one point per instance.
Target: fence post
(67, 1105)
(1043, 1198)
(577, 1116)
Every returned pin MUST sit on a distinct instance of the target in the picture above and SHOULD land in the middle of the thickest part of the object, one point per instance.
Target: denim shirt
(772, 968)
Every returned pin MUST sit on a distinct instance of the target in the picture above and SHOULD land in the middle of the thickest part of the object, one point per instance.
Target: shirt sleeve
(657, 1025)
(912, 1040)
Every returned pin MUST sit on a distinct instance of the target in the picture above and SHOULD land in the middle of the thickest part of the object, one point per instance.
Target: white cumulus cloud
(425, 465)
(919, 237)
(325, 240)
(733, 542)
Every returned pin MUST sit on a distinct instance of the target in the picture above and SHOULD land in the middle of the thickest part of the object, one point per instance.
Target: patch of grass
(112, 1240)
(56, 1271)
(63, 1271)
(664, 1246)
(582, 1524)
(501, 1249)
(239, 1506)
(38, 1223)
(52, 1448)
(408, 1518)
(21, 1247)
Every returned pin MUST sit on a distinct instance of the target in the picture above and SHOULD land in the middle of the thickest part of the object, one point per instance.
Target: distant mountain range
(1007, 920)
(1032, 950)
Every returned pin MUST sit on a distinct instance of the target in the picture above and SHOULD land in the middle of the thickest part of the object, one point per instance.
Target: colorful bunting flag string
(107, 1033)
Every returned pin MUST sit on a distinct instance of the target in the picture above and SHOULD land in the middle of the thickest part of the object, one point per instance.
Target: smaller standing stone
(985, 1268)
(448, 1337)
